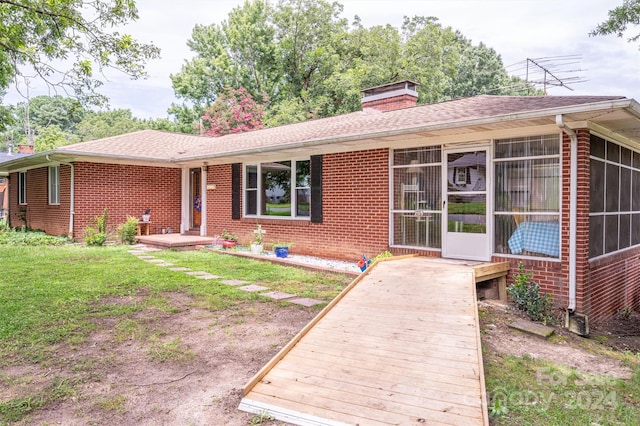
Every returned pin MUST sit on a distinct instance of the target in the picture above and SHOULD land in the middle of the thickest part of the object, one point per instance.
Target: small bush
(528, 298)
(127, 231)
(96, 233)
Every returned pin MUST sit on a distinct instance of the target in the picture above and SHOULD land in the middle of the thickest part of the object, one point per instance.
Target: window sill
(276, 220)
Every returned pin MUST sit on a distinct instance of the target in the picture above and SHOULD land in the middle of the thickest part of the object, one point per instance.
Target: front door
(465, 222)
(195, 185)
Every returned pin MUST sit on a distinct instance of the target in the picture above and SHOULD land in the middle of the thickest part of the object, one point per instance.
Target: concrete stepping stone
(154, 260)
(233, 282)
(179, 269)
(278, 295)
(533, 328)
(165, 264)
(305, 301)
(136, 252)
(197, 273)
(207, 277)
(146, 256)
(252, 288)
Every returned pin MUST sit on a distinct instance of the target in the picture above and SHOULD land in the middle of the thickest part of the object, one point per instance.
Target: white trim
(56, 188)
(203, 200)
(487, 147)
(387, 95)
(184, 221)
(285, 415)
(22, 187)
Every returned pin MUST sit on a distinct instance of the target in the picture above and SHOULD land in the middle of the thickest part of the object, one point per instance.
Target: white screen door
(465, 222)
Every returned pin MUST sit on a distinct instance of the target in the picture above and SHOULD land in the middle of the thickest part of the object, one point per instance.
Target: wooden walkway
(400, 345)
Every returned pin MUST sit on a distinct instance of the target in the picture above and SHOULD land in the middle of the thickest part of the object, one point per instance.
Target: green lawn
(49, 294)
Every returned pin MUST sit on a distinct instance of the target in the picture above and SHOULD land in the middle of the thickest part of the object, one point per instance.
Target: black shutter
(316, 188)
(236, 183)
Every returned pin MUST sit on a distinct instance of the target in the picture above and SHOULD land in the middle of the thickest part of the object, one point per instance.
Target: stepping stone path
(142, 252)
(253, 288)
(278, 295)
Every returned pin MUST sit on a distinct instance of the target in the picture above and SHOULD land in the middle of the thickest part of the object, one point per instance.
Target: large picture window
(527, 196)
(22, 188)
(279, 188)
(614, 208)
(54, 185)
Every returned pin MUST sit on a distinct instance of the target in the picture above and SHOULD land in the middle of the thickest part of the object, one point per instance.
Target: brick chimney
(25, 149)
(388, 97)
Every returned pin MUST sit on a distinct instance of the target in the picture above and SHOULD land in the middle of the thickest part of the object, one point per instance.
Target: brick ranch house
(553, 182)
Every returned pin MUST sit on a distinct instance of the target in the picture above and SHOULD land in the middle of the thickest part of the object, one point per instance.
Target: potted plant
(146, 216)
(256, 245)
(281, 249)
(229, 240)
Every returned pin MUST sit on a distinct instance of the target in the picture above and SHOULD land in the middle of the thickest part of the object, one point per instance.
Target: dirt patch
(185, 366)
(621, 333)
(563, 348)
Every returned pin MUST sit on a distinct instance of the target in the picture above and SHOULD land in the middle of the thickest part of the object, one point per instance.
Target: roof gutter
(573, 210)
(72, 195)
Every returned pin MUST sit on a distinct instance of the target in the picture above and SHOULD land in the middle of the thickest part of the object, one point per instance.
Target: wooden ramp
(400, 345)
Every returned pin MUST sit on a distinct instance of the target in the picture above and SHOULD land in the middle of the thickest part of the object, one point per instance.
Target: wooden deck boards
(402, 346)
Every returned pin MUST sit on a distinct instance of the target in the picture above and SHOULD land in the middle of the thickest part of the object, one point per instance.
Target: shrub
(528, 298)
(96, 233)
(127, 231)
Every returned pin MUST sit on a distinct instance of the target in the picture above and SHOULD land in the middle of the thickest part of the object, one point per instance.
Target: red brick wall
(124, 190)
(355, 209)
(614, 284)
(389, 104)
(53, 219)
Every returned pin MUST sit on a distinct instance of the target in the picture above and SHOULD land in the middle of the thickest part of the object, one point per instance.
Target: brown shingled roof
(165, 146)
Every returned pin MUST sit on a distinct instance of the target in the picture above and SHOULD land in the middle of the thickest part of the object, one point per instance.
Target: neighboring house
(553, 182)
(23, 150)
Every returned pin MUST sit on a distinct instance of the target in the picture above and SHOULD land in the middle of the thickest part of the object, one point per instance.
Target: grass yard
(55, 300)
(95, 335)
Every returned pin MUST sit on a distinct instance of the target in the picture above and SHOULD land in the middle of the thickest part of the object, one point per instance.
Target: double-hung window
(278, 188)
(54, 185)
(22, 188)
(527, 196)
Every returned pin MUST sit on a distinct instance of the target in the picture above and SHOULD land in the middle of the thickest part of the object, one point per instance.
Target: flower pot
(256, 248)
(281, 252)
(228, 243)
(146, 217)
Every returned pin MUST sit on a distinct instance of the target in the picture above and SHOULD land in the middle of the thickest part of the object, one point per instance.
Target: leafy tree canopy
(234, 111)
(302, 60)
(67, 42)
(619, 19)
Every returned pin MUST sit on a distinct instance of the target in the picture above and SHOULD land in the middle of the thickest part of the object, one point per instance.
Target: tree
(619, 19)
(42, 37)
(66, 113)
(51, 137)
(300, 59)
(103, 124)
(234, 111)
(240, 52)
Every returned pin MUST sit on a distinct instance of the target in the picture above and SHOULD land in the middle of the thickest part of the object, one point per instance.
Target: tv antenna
(556, 71)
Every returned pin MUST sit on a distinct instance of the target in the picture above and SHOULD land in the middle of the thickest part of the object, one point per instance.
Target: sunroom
(499, 197)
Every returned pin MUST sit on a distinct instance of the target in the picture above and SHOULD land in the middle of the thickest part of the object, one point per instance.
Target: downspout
(72, 195)
(573, 211)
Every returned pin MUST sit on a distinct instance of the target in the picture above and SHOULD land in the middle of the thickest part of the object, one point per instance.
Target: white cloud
(516, 29)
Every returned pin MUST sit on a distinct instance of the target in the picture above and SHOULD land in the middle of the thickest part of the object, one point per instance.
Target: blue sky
(516, 29)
